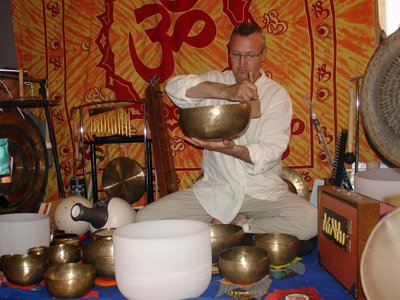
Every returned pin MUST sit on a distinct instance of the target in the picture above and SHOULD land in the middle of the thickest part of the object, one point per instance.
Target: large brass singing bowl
(24, 270)
(69, 280)
(243, 264)
(282, 248)
(224, 236)
(100, 255)
(215, 123)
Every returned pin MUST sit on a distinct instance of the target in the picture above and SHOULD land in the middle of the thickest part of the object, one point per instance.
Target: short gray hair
(246, 29)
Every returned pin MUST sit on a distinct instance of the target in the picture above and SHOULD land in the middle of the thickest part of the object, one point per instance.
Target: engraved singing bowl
(100, 255)
(215, 123)
(282, 248)
(26, 269)
(243, 264)
(224, 236)
(71, 280)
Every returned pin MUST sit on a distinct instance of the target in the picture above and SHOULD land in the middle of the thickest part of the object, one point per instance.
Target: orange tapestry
(99, 50)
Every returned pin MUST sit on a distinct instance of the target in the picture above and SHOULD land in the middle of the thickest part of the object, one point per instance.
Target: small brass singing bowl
(243, 264)
(67, 238)
(224, 236)
(103, 234)
(71, 280)
(54, 233)
(62, 254)
(215, 123)
(100, 255)
(25, 269)
(37, 250)
(282, 248)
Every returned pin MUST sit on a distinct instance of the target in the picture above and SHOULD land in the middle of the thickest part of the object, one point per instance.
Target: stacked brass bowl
(215, 123)
(224, 236)
(62, 254)
(100, 255)
(57, 265)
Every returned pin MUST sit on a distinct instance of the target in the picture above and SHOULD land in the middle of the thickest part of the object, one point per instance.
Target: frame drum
(380, 260)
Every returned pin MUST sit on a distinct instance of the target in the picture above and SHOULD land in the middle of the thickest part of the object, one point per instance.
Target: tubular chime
(112, 121)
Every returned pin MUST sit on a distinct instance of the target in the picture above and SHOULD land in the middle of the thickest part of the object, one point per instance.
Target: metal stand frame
(114, 140)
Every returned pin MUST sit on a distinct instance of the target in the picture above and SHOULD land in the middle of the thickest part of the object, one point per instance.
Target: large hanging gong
(29, 179)
(380, 98)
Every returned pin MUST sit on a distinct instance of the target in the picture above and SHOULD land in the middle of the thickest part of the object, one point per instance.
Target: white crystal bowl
(378, 183)
(164, 259)
(21, 231)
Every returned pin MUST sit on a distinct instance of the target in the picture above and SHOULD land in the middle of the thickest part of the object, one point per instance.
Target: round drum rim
(375, 266)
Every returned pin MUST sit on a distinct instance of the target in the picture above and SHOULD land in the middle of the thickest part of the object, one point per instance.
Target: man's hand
(225, 146)
(239, 92)
(242, 91)
(220, 146)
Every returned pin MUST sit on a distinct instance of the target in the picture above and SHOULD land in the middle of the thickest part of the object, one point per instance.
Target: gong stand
(36, 103)
(111, 106)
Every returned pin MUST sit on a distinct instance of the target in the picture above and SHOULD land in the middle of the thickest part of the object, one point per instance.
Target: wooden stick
(21, 82)
(255, 105)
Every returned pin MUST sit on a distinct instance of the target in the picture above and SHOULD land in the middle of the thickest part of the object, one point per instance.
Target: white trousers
(290, 213)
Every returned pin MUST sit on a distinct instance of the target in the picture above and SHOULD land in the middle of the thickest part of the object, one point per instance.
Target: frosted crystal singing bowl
(165, 259)
(23, 231)
(378, 183)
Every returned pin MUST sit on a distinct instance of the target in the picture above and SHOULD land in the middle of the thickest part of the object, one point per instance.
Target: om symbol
(66, 167)
(318, 10)
(273, 24)
(54, 8)
(56, 61)
(59, 116)
(322, 72)
(170, 43)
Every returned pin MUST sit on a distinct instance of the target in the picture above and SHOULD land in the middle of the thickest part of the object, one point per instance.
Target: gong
(380, 95)
(296, 183)
(124, 178)
(30, 169)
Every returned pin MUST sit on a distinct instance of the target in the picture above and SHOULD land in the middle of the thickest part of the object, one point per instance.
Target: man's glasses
(247, 57)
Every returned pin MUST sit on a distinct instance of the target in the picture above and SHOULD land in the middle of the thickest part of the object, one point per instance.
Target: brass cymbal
(29, 178)
(296, 183)
(27, 101)
(124, 178)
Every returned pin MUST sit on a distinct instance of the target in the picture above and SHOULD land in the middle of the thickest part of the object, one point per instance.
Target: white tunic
(226, 178)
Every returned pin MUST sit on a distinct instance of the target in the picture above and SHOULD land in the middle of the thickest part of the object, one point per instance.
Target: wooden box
(345, 220)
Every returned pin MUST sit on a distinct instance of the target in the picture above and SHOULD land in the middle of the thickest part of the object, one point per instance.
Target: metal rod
(83, 149)
(357, 80)
(53, 147)
(25, 71)
(107, 103)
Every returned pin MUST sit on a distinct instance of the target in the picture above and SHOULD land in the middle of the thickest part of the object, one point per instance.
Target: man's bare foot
(236, 219)
(215, 221)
